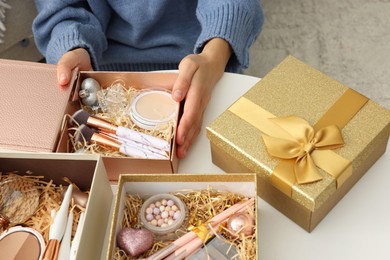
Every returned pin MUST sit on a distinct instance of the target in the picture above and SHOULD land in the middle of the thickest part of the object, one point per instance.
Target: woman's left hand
(198, 74)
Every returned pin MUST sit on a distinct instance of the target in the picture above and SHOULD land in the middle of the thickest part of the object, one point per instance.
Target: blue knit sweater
(142, 35)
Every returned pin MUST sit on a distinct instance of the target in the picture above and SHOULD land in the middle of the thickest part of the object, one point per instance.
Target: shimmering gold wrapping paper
(296, 89)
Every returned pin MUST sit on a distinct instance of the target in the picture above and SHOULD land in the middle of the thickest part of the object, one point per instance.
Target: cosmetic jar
(153, 109)
(163, 215)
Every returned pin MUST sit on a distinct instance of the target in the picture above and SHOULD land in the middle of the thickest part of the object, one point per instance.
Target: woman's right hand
(77, 58)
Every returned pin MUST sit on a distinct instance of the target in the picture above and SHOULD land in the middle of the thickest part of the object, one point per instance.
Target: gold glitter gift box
(146, 185)
(308, 137)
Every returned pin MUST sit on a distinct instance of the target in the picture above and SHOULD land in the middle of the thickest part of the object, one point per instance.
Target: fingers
(191, 121)
(187, 133)
(187, 69)
(77, 58)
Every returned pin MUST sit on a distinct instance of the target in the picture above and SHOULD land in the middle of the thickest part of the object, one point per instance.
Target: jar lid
(152, 109)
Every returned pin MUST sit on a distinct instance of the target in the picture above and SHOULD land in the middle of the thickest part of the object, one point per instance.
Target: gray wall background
(348, 40)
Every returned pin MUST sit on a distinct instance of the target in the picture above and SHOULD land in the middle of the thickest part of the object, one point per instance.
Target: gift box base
(146, 185)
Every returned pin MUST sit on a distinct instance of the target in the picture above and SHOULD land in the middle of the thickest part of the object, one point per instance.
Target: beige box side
(88, 173)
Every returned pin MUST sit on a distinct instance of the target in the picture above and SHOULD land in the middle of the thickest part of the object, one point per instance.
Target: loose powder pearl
(176, 215)
(162, 213)
(156, 211)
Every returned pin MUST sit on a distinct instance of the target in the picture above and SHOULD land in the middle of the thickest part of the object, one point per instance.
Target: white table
(357, 228)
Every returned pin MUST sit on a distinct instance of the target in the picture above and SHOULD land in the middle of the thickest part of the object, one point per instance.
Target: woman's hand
(77, 58)
(198, 74)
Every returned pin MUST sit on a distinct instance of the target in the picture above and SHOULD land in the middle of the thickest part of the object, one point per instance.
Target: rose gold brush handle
(51, 250)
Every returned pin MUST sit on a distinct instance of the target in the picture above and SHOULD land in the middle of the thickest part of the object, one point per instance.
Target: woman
(201, 39)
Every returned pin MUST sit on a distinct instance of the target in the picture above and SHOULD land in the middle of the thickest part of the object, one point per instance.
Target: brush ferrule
(101, 124)
(103, 140)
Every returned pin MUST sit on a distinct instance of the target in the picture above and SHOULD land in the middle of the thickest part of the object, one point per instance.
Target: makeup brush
(190, 237)
(140, 146)
(191, 247)
(82, 117)
(86, 133)
(57, 229)
(77, 236)
(108, 141)
(64, 251)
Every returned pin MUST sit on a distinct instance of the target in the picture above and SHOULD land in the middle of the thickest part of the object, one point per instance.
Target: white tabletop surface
(358, 227)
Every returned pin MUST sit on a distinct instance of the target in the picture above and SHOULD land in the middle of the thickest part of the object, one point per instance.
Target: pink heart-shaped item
(135, 241)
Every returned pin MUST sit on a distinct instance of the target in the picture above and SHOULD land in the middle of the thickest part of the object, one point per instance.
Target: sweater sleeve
(63, 25)
(237, 21)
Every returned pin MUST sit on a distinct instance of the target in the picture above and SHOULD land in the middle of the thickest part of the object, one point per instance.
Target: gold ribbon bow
(303, 149)
(297, 141)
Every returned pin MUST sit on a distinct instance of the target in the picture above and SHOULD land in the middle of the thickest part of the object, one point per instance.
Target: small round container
(164, 232)
(24, 242)
(153, 109)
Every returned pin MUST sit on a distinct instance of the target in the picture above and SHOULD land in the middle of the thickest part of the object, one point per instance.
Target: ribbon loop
(298, 141)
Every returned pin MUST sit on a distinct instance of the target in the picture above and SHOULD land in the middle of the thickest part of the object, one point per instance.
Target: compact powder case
(21, 243)
(153, 109)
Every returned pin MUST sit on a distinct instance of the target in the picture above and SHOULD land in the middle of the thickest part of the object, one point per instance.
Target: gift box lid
(32, 106)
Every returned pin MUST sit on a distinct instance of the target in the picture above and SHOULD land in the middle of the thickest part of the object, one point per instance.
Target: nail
(177, 95)
(63, 78)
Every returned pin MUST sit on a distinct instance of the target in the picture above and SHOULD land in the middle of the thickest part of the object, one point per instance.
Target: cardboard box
(88, 173)
(34, 108)
(148, 185)
(244, 138)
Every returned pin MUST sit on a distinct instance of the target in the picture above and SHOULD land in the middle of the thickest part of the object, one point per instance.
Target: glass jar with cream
(153, 109)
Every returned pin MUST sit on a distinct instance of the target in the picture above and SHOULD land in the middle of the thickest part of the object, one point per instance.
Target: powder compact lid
(153, 109)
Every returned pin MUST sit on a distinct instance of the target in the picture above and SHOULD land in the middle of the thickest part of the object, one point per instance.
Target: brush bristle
(84, 133)
(81, 116)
